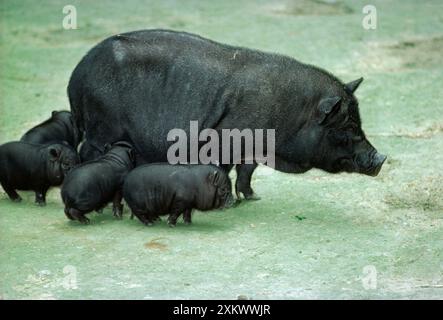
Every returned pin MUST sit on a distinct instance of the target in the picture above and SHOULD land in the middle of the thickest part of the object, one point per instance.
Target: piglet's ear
(213, 177)
(107, 147)
(131, 154)
(353, 85)
(327, 106)
(54, 153)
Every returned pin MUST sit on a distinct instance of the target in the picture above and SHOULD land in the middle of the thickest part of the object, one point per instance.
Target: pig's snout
(377, 162)
(370, 163)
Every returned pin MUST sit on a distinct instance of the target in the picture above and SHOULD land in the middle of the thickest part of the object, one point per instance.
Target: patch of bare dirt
(425, 133)
(420, 53)
(312, 8)
(425, 193)
(156, 245)
(410, 54)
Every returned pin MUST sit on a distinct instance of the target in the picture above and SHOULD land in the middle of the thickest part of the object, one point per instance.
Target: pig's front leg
(117, 206)
(40, 196)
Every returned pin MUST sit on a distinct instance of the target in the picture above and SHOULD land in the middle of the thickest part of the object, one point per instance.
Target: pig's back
(153, 187)
(89, 186)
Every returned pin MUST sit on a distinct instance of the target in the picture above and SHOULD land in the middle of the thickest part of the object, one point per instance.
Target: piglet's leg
(12, 194)
(68, 215)
(143, 217)
(178, 207)
(40, 196)
(187, 216)
(77, 215)
(117, 206)
(172, 219)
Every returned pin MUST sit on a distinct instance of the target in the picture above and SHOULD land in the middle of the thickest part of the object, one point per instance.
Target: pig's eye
(65, 166)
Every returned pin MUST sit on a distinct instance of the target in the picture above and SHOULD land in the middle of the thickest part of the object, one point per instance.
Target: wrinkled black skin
(93, 184)
(36, 167)
(139, 85)
(60, 127)
(158, 189)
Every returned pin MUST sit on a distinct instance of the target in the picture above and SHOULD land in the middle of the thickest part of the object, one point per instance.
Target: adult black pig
(139, 85)
(60, 127)
(26, 166)
(157, 189)
(93, 184)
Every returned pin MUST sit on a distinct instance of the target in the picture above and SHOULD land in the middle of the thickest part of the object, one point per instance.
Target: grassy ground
(314, 235)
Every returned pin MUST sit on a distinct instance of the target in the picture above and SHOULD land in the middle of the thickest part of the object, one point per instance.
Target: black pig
(60, 127)
(26, 166)
(94, 183)
(140, 85)
(157, 189)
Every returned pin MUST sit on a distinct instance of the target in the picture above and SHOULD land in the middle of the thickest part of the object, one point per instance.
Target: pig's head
(66, 118)
(61, 159)
(342, 144)
(219, 180)
(331, 138)
(121, 152)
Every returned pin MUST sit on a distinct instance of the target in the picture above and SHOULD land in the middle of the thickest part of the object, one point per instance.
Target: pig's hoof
(252, 196)
(171, 225)
(118, 211)
(40, 203)
(118, 214)
(187, 222)
(17, 200)
(85, 221)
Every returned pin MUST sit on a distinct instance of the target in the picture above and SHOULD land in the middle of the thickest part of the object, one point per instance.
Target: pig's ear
(353, 85)
(213, 177)
(327, 106)
(131, 154)
(54, 153)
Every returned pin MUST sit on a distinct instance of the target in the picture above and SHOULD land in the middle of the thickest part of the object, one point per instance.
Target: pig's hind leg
(243, 182)
(187, 216)
(12, 194)
(178, 207)
(172, 219)
(117, 206)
